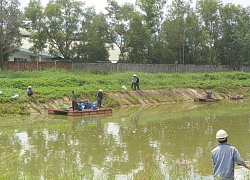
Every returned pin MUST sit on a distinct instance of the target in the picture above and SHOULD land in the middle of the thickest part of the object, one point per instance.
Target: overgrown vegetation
(57, 83)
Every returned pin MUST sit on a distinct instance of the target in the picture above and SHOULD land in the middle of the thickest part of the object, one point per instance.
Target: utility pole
(183, 52)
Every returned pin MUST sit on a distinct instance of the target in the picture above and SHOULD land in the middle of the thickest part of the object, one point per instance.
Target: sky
(100, 4)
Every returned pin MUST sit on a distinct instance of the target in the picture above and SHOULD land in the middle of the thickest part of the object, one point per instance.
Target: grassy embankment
(57, 83)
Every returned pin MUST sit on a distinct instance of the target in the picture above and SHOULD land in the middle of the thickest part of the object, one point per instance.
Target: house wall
(20, 56)
(25, 56)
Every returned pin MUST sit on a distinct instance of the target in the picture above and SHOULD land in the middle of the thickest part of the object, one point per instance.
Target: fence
(117, 67)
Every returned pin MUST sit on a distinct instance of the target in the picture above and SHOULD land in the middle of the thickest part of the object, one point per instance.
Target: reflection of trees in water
(168, 145)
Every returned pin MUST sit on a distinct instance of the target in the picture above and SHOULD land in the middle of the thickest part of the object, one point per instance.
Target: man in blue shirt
(29, 91)
(224, 157)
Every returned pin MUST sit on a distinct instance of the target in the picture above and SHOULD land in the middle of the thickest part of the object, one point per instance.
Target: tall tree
(175, 24)
(194, 40)
(152, 15)
(93, 43)
(118, 18)
(10, 22)
(235, 33)
(59, 26)
(137, 39)
(210, 15)
(33, 19)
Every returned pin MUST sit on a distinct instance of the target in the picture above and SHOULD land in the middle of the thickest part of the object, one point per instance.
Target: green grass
(57, 83)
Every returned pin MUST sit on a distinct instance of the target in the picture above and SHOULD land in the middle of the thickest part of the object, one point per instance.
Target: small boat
(85, 112)
(207, 99)
(237, 97)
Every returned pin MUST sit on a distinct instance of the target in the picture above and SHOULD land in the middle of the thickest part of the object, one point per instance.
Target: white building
(26, 55)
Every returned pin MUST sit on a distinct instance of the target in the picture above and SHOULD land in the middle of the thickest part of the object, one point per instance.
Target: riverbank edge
(130, 98)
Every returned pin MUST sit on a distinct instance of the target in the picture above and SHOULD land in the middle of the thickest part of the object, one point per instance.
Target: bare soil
(159, 96)
(138, 97)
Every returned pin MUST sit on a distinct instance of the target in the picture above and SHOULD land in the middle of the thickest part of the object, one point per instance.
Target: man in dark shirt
(99, 98)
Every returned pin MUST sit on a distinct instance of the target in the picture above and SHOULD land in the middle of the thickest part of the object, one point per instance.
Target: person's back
(224, 157)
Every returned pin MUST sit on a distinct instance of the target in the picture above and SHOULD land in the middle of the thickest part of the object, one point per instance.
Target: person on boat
(29, 91)
(135, 82)
(224, 157)
(208, 94)
(73, 98)
(99, 97)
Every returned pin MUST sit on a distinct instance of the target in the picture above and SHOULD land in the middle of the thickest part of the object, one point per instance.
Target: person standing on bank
(135, 82)
(99, 98)
(29, 91)
(73, 98)
(224, 157)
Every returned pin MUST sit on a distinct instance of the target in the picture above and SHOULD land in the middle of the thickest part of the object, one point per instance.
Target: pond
(154, 142)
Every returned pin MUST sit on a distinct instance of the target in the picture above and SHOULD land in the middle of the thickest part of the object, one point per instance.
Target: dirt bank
(141, 97)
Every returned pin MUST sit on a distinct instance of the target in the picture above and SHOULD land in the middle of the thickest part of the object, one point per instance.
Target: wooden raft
(206, 99)
(86, 112)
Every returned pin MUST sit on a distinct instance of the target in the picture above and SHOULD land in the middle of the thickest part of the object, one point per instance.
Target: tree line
(149, 31)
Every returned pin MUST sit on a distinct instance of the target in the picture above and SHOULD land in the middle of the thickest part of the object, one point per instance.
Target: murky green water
(161, 142)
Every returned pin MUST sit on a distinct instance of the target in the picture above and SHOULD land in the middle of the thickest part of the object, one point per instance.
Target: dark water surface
(157, 142)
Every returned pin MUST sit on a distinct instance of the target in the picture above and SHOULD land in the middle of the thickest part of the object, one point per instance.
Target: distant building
(114, 54)
(24, 54)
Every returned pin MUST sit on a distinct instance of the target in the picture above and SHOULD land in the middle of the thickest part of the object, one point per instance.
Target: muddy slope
(141, 97)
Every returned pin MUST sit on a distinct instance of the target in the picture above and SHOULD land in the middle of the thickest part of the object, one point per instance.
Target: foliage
(57, 24)
(96, 49)
(119, 18)
(10, 21)
(149, 31)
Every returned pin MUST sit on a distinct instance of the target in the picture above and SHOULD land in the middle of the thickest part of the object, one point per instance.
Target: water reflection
(134, 123)
(161, 142)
